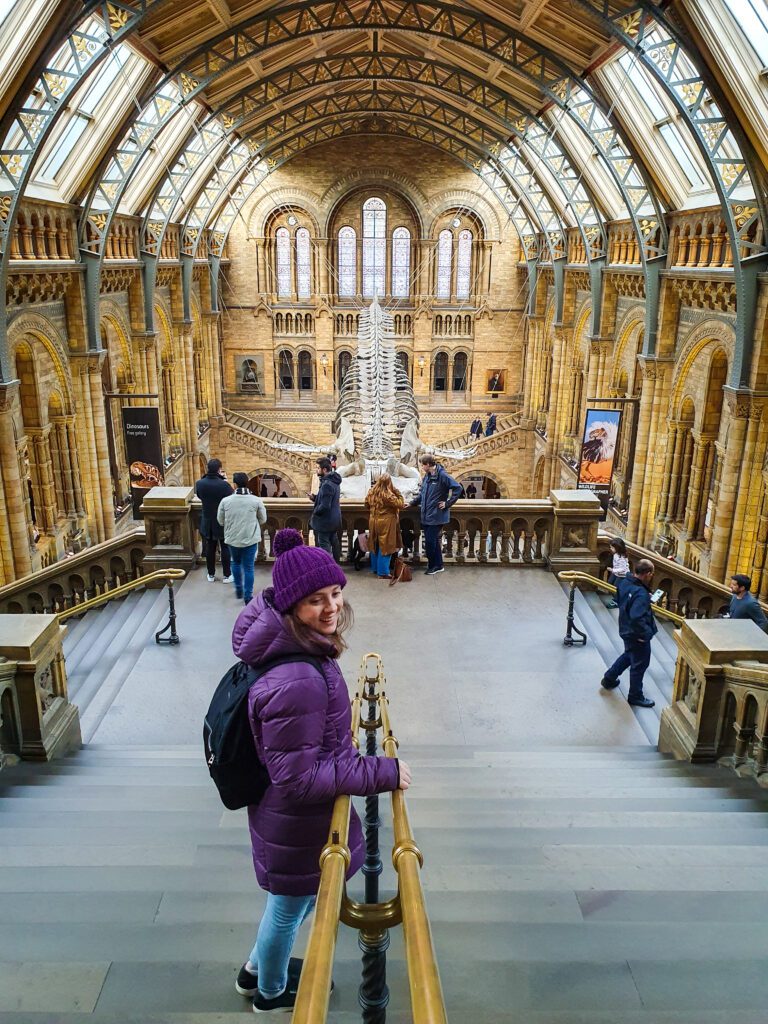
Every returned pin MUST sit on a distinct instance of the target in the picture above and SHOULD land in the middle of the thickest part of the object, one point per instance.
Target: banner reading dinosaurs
(598, 449)
(144, 452)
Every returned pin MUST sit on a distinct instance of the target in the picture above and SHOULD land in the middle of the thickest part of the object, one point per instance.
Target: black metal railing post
(373, 994)
(569, 639)
(372, 867)
(173, 639)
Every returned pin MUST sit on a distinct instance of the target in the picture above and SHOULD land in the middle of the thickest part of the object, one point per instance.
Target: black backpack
(230, 750)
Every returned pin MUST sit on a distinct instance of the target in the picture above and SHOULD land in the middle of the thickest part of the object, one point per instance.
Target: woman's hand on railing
(405, 774)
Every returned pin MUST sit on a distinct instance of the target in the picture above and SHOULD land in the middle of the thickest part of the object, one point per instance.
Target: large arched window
(347, 263)
(283, 262)
(345, 361)
(440, 372)
(285, 370)
(374, 246)
(305, 371)
(459, 382)
(303, 272)
(444, 260)
(401, 263)
(463, 264)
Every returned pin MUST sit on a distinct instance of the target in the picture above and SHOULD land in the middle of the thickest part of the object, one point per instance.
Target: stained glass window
(401, 262)
(347, 263)
(374, 246)
(283, 262)
(444, 258)
(303, 274)
(463, 264)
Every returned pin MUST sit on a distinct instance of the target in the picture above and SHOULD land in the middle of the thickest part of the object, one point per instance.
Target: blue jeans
(242, 568)
(380, 563)
(329, 541)
(432, 545)
(279, 924)
(637, 658)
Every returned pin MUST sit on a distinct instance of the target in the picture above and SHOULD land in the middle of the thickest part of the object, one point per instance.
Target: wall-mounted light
(422, 363)
(324, 363)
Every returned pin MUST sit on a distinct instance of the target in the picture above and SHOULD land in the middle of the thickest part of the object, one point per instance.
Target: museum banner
(143, 450)
(598, 449)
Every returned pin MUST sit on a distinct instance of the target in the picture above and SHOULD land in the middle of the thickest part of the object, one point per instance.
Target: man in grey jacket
(241, 516)
(437, 493)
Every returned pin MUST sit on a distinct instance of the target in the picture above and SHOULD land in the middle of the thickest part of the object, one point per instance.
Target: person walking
(300, 718)
(326, 516)
(241, 516)
(384, 503)
(438, 492)
(490, 427)
(476, 429)
(619, 566)
(637, 627)
(471, 491)
(744, 605)
(211, 489)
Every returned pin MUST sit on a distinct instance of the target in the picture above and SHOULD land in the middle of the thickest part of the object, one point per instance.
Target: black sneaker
(247, 984)
(609, 684)
(434, 572)
(283, 1003)
(238, 593)
(641, 702)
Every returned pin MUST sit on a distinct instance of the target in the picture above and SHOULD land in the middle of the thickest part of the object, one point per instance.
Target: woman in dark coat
(300, 717)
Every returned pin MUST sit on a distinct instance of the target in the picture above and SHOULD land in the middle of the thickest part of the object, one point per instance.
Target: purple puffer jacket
(301, 724)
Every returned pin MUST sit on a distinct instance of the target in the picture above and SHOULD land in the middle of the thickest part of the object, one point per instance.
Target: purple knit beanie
(299, 571)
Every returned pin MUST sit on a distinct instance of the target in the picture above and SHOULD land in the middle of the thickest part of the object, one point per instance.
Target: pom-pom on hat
(299, 571)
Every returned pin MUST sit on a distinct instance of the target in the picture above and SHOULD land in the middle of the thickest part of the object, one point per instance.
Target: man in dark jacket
(490, 427)
(476, 427)
(326, 516)
(437, 493)
(743, 604)
(637, 627)
(211, 489)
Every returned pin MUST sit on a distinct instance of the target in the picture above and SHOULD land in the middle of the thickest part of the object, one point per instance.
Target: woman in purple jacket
(301, 720)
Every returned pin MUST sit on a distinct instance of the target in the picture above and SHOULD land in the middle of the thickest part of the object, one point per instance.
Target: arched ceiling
(512, 88)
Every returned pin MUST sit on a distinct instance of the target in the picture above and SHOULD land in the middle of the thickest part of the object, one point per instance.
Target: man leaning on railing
(744, 605)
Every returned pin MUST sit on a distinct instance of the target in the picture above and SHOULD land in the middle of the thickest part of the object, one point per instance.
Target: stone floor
(472, 656)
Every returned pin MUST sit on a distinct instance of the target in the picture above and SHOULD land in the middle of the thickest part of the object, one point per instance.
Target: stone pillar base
(167, 515)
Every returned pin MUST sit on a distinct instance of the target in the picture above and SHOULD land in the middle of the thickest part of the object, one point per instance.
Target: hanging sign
(144, 451)
(598, 449)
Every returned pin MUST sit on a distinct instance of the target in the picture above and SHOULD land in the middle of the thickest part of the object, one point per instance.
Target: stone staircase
(583, 885)
(467, 440)
(101, 648)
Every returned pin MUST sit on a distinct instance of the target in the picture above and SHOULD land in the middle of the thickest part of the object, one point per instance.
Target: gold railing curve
(109, 595)
(574, 577)
(371, 918)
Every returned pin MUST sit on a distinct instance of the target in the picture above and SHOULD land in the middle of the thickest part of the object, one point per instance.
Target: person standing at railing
(241, 516)
(384, 503)
(326, 515)
(300, 718)
(744, 605)
(637, 627)
(438, 492)
(619, 565)
(211, 489)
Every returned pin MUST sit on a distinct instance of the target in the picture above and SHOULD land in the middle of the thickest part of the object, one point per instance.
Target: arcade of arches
(220, 275)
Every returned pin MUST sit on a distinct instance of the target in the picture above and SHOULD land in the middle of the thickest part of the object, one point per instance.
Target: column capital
(88, 362)
(8, 392)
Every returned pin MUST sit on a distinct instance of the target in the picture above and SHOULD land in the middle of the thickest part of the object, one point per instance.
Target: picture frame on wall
(495, 382)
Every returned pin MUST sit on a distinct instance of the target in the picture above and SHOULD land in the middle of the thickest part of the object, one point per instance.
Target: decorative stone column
(86, 443)
(738, 409)
(747, 502)
(104, 476)
(38, 439)
(641, 448)
(48, 725)
(574, 536)
(14, 528)
(167, 514)
(689, 726)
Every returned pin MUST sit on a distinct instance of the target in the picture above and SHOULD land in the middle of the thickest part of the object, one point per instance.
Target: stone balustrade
(123, 240)
(623, 247)
(699, 239)
(577, 251)
(452, 325)
(43, 231)
(298, 323)
(169, 247)
(686, 592)
(66, 583)
(719, 706)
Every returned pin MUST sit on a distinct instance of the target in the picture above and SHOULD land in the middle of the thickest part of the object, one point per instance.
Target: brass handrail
(124, 588)
(427, 1003)
(573, 576)
(315, 982)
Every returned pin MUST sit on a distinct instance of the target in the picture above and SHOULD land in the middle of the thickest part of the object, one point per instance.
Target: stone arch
(35, 331)
(277, 199)
(383, 178)
(482, 210)
(710, 332)
(112, 315)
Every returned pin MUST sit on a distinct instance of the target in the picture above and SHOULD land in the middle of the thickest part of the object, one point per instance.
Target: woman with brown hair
(384, 503)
